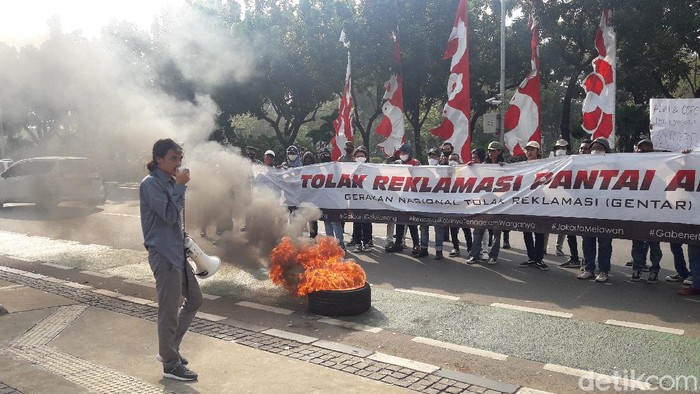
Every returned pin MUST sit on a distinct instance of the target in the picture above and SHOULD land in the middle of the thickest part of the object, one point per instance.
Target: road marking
(210, 317)
(645, 327)
(290, 335)
(461, 348)
(11, 287)
(107, 293)
(350, 325)
(266, 308)
(528, 390)
(121, 214)
(429, 294)
(597, 377)
(534, 310)
(211, 297)
(135, 300)
(403, 362)
(77, 285)
(63, 267)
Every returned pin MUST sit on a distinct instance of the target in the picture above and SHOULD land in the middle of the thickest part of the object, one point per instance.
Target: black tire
(341, 302)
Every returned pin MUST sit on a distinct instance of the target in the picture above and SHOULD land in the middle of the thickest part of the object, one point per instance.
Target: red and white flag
(455, 126)
(599, 104)
(392, 127)
(523, 114)
(343, 124)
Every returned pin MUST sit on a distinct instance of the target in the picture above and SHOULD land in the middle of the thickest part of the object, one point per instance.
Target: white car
(48, 181)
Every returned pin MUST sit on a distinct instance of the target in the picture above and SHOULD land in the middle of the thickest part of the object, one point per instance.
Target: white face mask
(432, 162)
(453, 163)
(597, 152)
(292, 157)
(560, 152)
(360, 159)
(403, 157)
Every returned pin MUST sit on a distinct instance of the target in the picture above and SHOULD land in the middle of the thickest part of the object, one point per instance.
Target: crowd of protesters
(483, 244)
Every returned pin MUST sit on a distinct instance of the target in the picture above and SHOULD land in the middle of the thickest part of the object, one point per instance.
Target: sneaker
(367, 248)
(438, 255)
(358, 248)
(416, 250)
(629, 263)
(585, 275)
(506, 245)
(688, 281)
(541, 265)
(636, 276)
(528, 263)
(473, 260)
(688, 291)
(675, 278)
(243, 229)
(601, 277)
(484, 255)
(492, 261)
(423, 252)
(454, 253)
(351, 243)
(180, 372)
(571, 263)
(182, 359)
(370, 243)
(653, 277)
(203, 234)
(389, 245)
(560, 252)
(394, 248)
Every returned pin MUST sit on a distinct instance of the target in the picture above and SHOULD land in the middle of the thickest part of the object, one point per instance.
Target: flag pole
(501, 107)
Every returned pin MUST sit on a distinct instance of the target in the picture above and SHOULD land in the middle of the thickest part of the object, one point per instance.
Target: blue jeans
(694, 260)
(679, 260)
(335, 229)
(425, 240)
(476, 243)
(639, 257)
(604, 253)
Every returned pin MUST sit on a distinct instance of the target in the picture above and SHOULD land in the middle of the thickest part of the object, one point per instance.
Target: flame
(313, 267)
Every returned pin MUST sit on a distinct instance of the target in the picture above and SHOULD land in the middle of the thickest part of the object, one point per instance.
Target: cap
(495, 145)
(562, 142)
(602, 141)
(270, 152)
(533, 144)
(645, 141)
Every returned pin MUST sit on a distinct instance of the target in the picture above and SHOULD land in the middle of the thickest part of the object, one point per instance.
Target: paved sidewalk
(65, 337)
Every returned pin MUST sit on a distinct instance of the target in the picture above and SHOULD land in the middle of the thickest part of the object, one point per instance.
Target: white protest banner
(674, 123)
(652, 196)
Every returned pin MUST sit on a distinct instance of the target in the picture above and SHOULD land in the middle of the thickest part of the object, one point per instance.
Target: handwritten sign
(675, 123)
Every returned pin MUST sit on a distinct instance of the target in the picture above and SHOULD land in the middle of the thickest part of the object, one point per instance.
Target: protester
(446, 149)
(252, 153)
(310, 159)
(599, 146)
(293, 158)
(162, 200)
(682, 272)
(534, 242)
(269, 158)
(495, 155)
(406, 158)
(694, 260)
(639, 247)
(333, 229)
(349, 150)
(362, 231)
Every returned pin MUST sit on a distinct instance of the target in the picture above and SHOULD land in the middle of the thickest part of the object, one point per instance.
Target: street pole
(501, 107)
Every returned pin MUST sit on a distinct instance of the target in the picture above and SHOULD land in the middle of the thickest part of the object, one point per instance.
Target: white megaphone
(205, 265)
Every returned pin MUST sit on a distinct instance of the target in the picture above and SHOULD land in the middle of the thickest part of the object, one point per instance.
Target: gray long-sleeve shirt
(161, 202)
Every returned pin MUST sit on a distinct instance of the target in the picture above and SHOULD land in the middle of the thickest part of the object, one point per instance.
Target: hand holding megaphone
(182, 175)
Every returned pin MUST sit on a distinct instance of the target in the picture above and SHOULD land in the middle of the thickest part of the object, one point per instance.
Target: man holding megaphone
(162, 195)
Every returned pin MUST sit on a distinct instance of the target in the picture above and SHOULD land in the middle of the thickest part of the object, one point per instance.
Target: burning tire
(341, 302)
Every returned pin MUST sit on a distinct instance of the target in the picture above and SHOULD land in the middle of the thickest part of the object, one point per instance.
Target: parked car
(48, 181)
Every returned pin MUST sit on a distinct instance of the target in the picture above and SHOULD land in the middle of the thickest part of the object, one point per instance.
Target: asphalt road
(439, 312)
